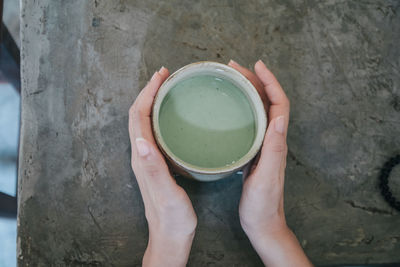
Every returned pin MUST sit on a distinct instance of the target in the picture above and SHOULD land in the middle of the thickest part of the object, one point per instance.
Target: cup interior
(227, 73)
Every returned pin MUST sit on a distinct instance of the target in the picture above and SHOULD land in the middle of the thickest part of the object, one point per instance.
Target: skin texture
(168, 209)
(261, 206)
(169, 212)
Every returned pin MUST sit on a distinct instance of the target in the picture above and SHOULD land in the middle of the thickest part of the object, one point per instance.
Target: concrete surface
(84, 63)
(11, 18)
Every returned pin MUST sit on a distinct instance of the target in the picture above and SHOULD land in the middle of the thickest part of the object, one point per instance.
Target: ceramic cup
(221, 71)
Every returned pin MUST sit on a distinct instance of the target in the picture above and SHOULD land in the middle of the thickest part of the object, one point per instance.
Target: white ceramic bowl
(227, 73)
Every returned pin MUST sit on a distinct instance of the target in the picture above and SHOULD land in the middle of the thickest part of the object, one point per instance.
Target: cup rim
(254, 100)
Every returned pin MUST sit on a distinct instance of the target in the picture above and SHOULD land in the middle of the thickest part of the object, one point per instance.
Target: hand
(261, 206)
(169, 212)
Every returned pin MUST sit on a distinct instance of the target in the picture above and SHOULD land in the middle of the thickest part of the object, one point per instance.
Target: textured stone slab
(84, 62)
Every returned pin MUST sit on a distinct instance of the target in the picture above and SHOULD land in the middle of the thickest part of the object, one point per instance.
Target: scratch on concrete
(340, 64)
(373, 210)
(94, 220)
(359, 239)
(194, 46)
(216, 215)
(36, 92)
(294, 158)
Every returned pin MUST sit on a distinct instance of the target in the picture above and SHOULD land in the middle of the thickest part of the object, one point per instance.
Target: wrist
(167, 250)
(274, 225)
(279, 248)
(269, 234)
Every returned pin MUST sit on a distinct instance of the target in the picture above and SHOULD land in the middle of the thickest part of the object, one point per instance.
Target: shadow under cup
(208, 121)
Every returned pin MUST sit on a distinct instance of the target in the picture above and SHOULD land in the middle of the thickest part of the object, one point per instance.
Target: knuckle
(152, 171)
(278, 147)
(142, 113)
(166, 205)
(135, 111)
(139, 113)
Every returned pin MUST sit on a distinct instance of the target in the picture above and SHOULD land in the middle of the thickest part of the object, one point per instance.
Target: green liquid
(207, 122)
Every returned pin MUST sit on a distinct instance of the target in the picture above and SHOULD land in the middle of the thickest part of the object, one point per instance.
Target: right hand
(261, 206)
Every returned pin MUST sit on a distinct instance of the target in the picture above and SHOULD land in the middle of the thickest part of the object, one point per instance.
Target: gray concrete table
(84, 62)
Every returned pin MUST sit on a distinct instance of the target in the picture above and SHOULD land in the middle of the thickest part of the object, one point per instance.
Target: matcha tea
(207, 121)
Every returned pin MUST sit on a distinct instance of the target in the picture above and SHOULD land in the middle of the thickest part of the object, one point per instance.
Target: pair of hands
(169, 212)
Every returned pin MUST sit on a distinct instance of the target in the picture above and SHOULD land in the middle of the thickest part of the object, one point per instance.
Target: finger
(248, 170)
(271, 85)
(139, 113)
(148, 92)
(273, 151)
(145, 100)
(279, 103)
(252, 78)
(151, 167)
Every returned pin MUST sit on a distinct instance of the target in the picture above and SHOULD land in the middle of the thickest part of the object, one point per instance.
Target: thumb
(151, 165)
(274, 149)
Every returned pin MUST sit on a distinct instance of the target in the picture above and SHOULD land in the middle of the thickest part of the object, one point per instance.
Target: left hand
(169, 212)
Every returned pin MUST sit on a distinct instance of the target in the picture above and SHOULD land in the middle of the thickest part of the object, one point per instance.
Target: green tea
(207, 121)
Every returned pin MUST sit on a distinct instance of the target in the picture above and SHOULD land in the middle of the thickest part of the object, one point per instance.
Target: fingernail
(232, 62)
(280, 124)
(154, 76)
(162, 69)
(142, 147)
(260, 61)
